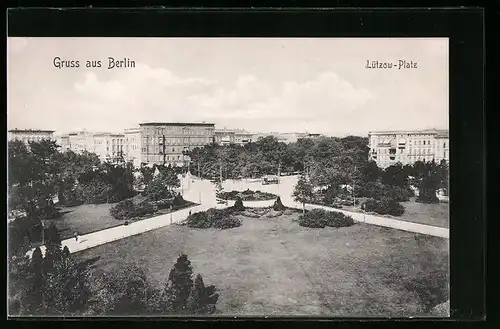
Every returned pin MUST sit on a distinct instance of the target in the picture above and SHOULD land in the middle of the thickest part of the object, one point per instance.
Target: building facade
(109, 147)
(133, 146)
(286, 137)
(232, 136)
(166, 142)
(407, 147)
(30, 135)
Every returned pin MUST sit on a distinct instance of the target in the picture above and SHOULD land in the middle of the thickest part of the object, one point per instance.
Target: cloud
(323, 97)
(148, 94)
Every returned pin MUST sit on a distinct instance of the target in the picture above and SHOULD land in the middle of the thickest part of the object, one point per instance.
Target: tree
(278, 205)
(219, 190)
(395, 175)
(158, 190)
(238, 204)
(429, 180)
(52, 236)
(125, 291)
(178, 287)
(303, 192)
(67, 288)
(32, 299)
(202, 299)
(371, 172)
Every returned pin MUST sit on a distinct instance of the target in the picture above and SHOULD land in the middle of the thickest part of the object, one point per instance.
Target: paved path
(203, 192)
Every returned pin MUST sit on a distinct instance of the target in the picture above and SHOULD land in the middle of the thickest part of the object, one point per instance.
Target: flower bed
(248, 195)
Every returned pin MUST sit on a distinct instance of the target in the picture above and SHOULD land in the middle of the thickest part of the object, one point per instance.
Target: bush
(427, 197)
(315, 219)
(385, 206)
(397, 193)
(144, 208)
(213, 218)
(123, 210)
(247, 195)
(338, 219)
(127, 209)
(238, 205)
(278, 205)
(179, 200)
(319, 218)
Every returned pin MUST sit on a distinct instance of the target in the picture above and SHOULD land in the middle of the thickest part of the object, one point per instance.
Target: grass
(84, 219)
(90, 218)
(435, 214)
(272, 266)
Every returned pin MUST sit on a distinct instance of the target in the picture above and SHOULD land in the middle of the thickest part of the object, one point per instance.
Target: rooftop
(202, 124)
(31, 131)
(440, 132)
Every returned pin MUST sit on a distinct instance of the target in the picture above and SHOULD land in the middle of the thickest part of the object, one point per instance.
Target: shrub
(238, 205)
(315, 219)
(179, 200)
(427, 197)
(319, 218)
(144, 208)
(247, 191)
(213, 218)
(385, 206)
(338, 219)
(400, 194)
(123, 210)
(278, 205)
(227, 222)
(127, 209)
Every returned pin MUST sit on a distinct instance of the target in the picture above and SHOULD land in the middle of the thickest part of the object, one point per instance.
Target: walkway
(203, 192)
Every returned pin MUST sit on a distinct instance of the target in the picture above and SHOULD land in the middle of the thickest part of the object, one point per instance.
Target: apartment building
(30, 135)
(133, 146)
(407, 147)
(109, 147)
(286, 137)
(166, 142)
(232, 136)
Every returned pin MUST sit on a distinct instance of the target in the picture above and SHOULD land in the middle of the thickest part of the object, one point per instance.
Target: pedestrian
(76, 236)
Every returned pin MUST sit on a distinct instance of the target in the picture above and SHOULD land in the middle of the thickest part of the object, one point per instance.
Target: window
(444, 144)
(424, 142)
(178, 157)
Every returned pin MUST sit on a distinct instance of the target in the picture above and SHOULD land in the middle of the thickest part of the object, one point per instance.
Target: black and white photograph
(228, 177)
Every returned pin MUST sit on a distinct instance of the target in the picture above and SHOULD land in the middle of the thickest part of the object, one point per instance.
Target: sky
(316, 85)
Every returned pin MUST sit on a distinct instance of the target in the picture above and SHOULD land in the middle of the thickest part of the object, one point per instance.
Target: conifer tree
(202, 299)
(33, 297)
(178, 287)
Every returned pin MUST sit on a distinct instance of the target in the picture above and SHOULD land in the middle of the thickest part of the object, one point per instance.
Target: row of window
(32, 139)
(181, 131)
(160, 158)
(158, 149)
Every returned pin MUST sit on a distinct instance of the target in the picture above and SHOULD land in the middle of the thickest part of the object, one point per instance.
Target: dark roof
(177, 124)
(31, 131)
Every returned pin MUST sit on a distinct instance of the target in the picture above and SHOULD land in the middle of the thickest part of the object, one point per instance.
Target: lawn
(84, 219)
(275, 267)
(89, 218)
(435, 214)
